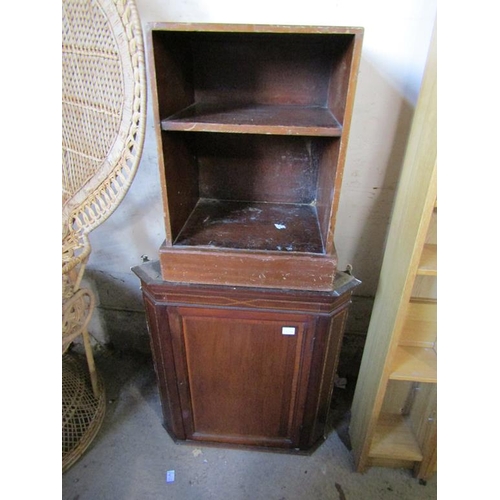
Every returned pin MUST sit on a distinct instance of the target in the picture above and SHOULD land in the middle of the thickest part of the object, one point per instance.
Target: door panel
(243, 371)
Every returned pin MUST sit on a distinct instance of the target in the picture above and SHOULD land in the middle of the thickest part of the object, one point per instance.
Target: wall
(396, 40)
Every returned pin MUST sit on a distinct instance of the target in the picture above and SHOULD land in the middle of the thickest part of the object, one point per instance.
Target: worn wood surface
(254, 119)
(271, 299)
(252, 226)
(263, 168)
(252, 113)
(287, 270)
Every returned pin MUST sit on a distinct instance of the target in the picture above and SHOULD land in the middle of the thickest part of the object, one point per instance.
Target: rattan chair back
(103, 108)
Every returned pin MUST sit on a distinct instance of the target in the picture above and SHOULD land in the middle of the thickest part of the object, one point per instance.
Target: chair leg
(90, 362)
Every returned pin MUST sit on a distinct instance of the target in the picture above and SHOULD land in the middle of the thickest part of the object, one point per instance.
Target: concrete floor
(129, 458)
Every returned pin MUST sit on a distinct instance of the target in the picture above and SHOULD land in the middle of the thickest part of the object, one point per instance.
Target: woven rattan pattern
(82, 412)
(103, 105)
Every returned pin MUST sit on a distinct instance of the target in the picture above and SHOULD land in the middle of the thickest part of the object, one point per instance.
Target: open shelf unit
(252, 125)
(394, 417)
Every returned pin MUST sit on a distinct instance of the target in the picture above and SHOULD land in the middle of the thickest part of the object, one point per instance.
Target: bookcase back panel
(257, 168)
(259, 68)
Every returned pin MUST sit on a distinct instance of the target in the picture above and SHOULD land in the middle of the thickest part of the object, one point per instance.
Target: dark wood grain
(221, 296)
(261, 168)
(229, 375)
(342, 104)
(252, 114)
(181, 193)
(216, 266)
(327, 161)
(163, 359)
(252, 226)
(255, 119)
(238, 360)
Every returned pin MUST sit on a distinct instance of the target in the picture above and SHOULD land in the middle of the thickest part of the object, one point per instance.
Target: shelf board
(428, 261)
(393, 438)
(255, 119)
(281, 227)
(420, 325)
(418, 364)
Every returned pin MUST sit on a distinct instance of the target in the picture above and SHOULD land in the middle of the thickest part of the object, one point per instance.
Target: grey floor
(132, 453)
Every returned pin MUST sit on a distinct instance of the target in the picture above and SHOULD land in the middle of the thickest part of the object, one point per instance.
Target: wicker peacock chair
(103, 111)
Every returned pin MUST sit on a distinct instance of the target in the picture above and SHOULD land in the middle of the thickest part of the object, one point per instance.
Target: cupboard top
(299, 301)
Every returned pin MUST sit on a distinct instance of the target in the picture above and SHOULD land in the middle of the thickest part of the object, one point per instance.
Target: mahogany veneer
(252, 125)
(245, 366)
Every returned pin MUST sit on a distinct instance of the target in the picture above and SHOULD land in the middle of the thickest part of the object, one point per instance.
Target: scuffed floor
(132, 453)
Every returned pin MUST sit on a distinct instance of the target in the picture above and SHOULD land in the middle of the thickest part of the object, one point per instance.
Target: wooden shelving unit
(252, 125)
(246, 307)
(394, 418)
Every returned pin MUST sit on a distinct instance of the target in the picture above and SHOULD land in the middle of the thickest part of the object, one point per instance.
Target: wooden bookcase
(394, 411)
(252, 125)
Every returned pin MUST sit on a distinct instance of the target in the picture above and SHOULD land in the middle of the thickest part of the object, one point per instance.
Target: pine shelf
(418, 364)
(428, 261)
(394, 439)
(420, 325)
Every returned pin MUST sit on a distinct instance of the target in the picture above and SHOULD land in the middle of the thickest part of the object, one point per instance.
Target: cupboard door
(241, 375)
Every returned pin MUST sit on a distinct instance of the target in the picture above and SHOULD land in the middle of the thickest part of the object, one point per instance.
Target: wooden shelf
(255, 119)
(428, 261)
(281, 227)
(420, 326)
(394, 439)
(418, 364)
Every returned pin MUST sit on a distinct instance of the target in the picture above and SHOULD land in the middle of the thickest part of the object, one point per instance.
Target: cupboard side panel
(328, 337)
(163, 358)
